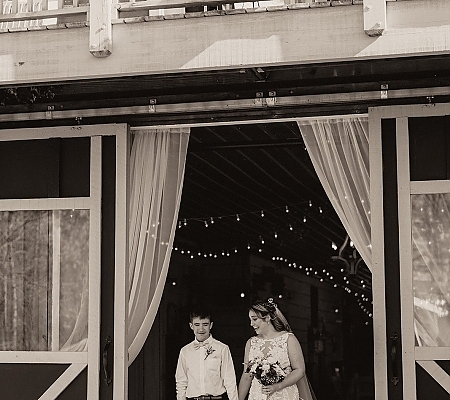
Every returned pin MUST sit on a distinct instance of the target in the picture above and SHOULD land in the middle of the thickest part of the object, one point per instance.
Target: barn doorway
(255, 222)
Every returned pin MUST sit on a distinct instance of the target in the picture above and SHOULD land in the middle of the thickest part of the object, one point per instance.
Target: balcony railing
(33, 14)
(100, 15)
(39, 14)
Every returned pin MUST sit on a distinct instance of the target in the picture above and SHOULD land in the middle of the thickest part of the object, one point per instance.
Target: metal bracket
(272, 99)
(152, 106)
(262, 101)
(259, 98)
(384, 91)
(49, 112)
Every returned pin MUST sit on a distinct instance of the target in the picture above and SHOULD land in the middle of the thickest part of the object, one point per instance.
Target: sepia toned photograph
(205, 200)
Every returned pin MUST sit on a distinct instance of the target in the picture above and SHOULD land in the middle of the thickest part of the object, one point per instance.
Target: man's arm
(181, 378)
(246, 379)
(228, 374)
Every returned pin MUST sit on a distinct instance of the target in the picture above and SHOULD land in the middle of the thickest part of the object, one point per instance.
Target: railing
(100, 15)
(35, 14)
(167, 8)
(20, 14)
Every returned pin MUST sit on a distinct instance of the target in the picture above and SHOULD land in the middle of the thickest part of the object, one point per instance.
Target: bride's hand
(268, 390)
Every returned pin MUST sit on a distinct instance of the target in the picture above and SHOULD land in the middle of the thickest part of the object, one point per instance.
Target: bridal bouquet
(266, 370)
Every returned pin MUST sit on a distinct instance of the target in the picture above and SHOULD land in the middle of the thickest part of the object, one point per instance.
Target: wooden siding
(297, 36)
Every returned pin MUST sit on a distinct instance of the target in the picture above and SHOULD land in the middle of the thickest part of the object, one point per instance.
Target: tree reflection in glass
(44, 259)
(431, 268)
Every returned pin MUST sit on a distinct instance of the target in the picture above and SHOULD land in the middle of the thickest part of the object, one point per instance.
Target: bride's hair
(268, 308)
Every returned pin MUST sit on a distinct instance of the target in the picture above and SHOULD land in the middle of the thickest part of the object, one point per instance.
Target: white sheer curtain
(339, 151)
(156, 176)
(430, 223)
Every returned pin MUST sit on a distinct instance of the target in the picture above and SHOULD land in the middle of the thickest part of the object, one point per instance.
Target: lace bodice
(277, 348)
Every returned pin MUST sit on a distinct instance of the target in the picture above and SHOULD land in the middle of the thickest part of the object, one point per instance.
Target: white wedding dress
(276, 348)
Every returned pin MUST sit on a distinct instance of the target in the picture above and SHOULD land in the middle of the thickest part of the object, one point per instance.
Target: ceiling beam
(199, 147)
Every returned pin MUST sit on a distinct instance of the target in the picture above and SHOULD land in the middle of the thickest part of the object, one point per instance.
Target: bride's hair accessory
(271, 305)
(270, 308)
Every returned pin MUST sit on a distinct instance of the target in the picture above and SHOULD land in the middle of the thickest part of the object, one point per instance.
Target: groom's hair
(201, 313)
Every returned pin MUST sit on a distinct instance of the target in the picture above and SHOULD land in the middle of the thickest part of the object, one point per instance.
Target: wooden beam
(297, 102)
(253, 39)
(374, 17)
(100, 32)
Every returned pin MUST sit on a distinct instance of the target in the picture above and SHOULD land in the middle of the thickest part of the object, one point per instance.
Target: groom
(205, 368)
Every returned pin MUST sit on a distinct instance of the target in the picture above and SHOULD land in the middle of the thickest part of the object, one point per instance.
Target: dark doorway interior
(255, 222)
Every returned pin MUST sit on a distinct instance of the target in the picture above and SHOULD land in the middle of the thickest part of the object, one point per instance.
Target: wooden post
(374, 17)
(100, 36)
(120, 378)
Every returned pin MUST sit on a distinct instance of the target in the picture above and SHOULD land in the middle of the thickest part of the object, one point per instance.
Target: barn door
(57, 263)
(410, 197)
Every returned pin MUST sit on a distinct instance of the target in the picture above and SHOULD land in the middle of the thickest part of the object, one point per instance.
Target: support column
(100, 35)
(374, 17)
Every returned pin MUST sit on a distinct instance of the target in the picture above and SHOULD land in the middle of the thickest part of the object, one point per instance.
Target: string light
(327, 277)
(309, 271)
(287, 209)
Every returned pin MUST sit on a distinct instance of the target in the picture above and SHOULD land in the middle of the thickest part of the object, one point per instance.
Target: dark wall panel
(27, 381)
(24, 168)
(45, 168)
(74, 167)
(429, 148)
(427, 387)
(77, 390)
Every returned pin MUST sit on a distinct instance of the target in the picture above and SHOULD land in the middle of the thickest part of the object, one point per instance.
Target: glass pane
(74, 280)
(43, 280)
(431, 268)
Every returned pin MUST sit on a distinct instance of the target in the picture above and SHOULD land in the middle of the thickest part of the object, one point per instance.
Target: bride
(274, 340)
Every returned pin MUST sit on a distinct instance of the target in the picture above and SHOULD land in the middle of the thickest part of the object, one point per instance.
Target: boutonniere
(209, 350)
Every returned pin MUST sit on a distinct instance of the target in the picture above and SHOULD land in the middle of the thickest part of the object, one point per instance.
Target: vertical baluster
(14, 6)
(29, 6)
(44, 5)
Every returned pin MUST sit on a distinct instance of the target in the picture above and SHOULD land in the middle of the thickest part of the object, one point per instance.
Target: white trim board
(61, 132)
(42, 357)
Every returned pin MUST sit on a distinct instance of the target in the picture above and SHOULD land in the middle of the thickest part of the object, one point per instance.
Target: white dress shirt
(205, 370)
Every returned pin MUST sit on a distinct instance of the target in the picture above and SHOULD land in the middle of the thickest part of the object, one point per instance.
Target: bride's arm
(297, 364)
(246, 379)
